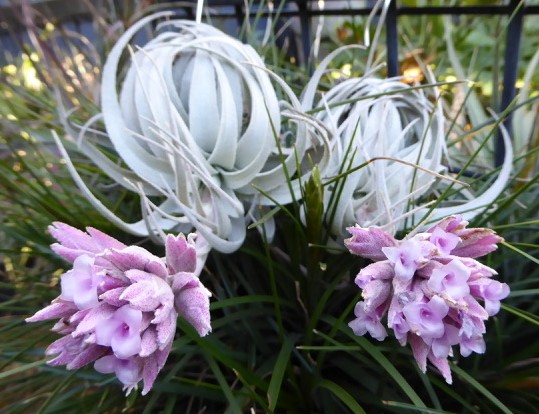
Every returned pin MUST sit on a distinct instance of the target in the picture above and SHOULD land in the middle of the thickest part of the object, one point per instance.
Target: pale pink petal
(193, 304)
(88, 355)
(167, 329)
(420, 350)
(135, 257)
(368, 243)
(58, 309)
(451, 280)
(444, 241)
(106, 364)
(149, 342)
(128, 371)
(180, 254)
(476, 242)
(376, 293)
(152, 366)
(474, 344)
(443, 366)
(379, 270)
(441, 347)
(103, 241)
(94, 318)
(74, 242)
(183, 280)
(112, 297)
(143, 296)
(125, 346)
(106, 330)
(150, 371)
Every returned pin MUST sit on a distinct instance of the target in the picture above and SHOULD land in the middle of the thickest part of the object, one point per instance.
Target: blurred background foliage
(280, 342)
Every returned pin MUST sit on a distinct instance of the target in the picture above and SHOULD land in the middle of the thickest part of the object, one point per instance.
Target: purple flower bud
(181, 255)
(378, 270)
(368, 243)
(375, 294)
(74, 242)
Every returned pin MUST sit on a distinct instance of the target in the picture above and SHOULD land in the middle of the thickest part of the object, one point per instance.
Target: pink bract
(119, 304)
(430, 287)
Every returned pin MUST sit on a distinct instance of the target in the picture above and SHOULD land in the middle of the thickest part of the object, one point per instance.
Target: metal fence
(71, 15)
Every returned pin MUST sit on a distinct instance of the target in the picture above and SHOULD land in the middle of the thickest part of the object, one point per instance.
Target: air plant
(388, 152)
(197, 124)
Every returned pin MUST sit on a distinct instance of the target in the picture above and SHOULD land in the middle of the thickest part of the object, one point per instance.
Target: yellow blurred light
(450, 78)
(49, 27)
(519, 83)
(21, 153)
(412, 74)
(11, 117)
(344, 71)
(10, 69)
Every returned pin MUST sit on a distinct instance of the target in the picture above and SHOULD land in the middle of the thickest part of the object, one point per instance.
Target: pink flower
(121, 332)
(431, 288)
(367, 322)
(451, 280)
(407, 257)
(119, 304)
(426, 319)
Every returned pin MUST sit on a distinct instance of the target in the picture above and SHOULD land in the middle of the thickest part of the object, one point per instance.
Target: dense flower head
(119, 304)
(430, 287)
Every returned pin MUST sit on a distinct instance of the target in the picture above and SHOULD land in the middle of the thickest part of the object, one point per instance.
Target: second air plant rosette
(212, 141)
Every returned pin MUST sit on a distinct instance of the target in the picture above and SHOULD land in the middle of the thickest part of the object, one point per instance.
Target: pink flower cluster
(430, 287)
(119, 304)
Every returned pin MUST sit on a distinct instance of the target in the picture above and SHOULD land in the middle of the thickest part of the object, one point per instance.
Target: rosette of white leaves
(369, 118)
(401, 128)
(195, 123)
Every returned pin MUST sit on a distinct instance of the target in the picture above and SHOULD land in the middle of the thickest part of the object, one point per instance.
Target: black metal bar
(305, 24)
(512, 48)
(392, 40)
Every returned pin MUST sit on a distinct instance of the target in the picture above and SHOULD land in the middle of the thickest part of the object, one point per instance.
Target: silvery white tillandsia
(196, 122)
(402, 129)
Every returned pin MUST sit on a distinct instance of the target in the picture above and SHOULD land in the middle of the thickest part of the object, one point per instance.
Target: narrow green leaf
(375, 353)
(474, 383)
(414, 408)
(279, 371)
(227, 391)
(527, 316)
(342, 395)
(22, 368)
(523, 253)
